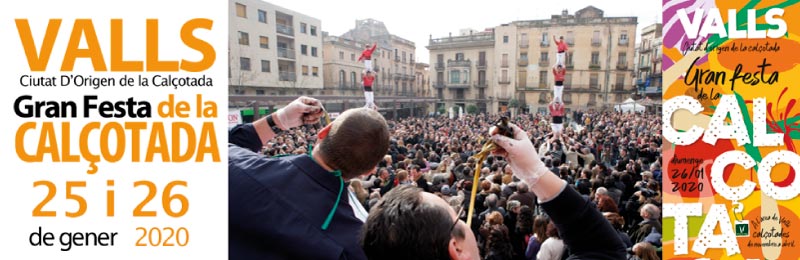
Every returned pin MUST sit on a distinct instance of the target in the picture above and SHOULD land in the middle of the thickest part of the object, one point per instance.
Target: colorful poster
(731, 127)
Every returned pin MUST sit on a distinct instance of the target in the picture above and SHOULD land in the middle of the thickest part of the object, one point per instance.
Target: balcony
(440, 66)
(543, 85)
(480, 96)
(287, 76)
(504, 64)
(622, 42)
(570, 42)
(644, 67)
(594, 87)
(544, 44)
(504, 81)
(481, 64)
(544, 63)
(439, 84)
(284, 29)
(652, 90)
(570, 65)
(459, 63)
(459, 85)
(286, 53)
(594, 66)
(644, 50)
(591, 103)
(523, 44)
(596, 42)
(622, 66)
(522, 62)
(481, 84)
(397, 58)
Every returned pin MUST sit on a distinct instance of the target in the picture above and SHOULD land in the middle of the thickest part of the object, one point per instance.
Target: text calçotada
(113, 141)
(737, 130)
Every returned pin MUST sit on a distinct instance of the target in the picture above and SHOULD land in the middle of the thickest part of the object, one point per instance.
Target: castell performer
(557, 115)
(562, 50)
(559, 72)
(366, 56)
(367, 81)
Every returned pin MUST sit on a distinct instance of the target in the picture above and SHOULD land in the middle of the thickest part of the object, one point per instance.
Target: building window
(304, 49)
(244, 63)
(302, 27)
(455, 76)
(622, 59)
(341, 55)
(265, 66)
(259, 92)
(593, 80)
(504, 76)
(523, 56)
(313, 30)
(568, 80)
(262, 16)
(352, 56)
(543, 78)
(504, 60)
(315, 71)
(595, 58)
(342, 80)
(314, 51)
(244, 38)
(459, 56)
(620, 81)
(596, 38)
(353, 78)
(241, 10)
(570, 39)
(305, 70)
(263, 41)
(505, 38)
(545, 39)
(543, 57)
(569, 59)
(411, 58)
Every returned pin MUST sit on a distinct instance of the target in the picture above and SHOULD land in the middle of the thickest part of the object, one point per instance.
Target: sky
(417, 20)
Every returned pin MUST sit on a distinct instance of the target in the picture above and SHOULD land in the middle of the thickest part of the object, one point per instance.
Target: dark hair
(392, 230)
(344, 147)
(525, 221)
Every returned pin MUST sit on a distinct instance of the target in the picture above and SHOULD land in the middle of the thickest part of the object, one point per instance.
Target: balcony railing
(481, 84)
(504, 64)
(622, 66)
(594, 66)
(504, 81)
(543, 85)
(596, 42)
(481, 64)
(459, 63)
(286, 53)
(623, 42)
(570, 42)
(287, 76)
(522, 62)
(544, 63)
(439, 65)
(458, 85)
(644, 67)
(523, 44)
(439, 84)
(644, 50)
(570, 65)
(284, 29)
(544, 44)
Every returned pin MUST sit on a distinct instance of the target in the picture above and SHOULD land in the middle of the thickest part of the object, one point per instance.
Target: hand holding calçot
(520, 154)
(303, 110)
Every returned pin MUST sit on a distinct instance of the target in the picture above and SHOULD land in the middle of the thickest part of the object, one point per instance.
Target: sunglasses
(458, 217)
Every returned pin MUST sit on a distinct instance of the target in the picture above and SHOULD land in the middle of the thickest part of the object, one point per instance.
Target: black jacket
(584, 230)
(276, 206)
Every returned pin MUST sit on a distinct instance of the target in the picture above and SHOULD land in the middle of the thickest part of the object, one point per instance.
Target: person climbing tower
(558, 73)
(367, 79)
(366, 55)
(562, 51)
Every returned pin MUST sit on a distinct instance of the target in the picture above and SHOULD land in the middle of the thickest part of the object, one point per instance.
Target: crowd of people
(611, 159)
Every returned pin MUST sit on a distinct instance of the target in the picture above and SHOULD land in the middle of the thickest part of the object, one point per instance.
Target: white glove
(303, 110)
(521, 155)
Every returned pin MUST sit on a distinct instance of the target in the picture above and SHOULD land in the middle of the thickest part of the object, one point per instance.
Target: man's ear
(324, 132)
(456, 249)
